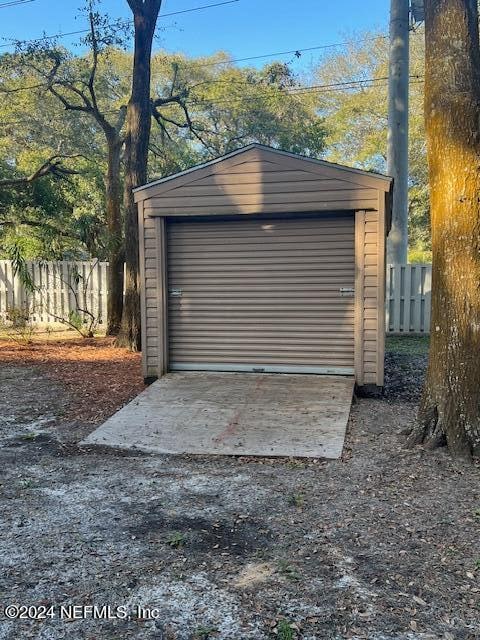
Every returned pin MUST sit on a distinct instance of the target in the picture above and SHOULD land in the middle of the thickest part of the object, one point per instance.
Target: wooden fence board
(55, 290)
(408, 298)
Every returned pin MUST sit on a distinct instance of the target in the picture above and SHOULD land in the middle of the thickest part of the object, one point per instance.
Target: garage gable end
(262, 180)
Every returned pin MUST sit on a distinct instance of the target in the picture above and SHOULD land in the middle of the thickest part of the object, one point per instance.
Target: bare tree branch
(53, 166)
(95, 52)
(87, 102)
(180, 99)
(18, 89)
(171, 99)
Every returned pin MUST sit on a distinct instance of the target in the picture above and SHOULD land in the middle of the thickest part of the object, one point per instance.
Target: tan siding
(256, 197)
(280, 175)
(278, 182)
(163, 296)
(370, 296)
(150, 293)
(381, 236)
(323, 169)
(150, 233)
(143, 297)
(344, 203)
(262, 182)
(274, 303)
(267, 163)
(359, 293)
(254, 166)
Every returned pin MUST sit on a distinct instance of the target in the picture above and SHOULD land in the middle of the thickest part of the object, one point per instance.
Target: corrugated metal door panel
(262, 295)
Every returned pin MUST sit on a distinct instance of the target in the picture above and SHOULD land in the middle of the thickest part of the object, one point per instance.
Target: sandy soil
(382, 545)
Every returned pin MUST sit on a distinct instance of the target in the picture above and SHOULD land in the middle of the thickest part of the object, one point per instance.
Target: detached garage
(264, 261)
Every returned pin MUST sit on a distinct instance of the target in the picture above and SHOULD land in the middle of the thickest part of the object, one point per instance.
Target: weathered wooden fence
(408, 298)
(60, 288)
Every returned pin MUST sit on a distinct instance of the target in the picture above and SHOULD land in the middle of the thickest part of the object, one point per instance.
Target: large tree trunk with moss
(145, 14)
(450, 407)
(114, 227)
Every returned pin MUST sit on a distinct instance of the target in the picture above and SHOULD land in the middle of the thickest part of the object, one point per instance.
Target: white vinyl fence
(57, 284)
(60, 288)
(408, 298)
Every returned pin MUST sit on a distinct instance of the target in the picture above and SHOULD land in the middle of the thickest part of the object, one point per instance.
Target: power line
(292, 51)
(278, 53)
(123, 23)
(284, 53)
(221, 62)
(325, 88)
(349, 84)
(13, 3)
(206, 6)
(304, 89)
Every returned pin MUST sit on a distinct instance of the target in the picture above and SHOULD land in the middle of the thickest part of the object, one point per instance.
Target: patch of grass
(29, 436)
(176, 539)
(408, 345)
(296, 500)
(285, 631)
(288, 570)
(476, 514)
(295, 464)
(27, 483)
(204, 633)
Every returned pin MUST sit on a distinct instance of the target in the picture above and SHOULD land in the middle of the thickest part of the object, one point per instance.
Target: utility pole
(397, 139)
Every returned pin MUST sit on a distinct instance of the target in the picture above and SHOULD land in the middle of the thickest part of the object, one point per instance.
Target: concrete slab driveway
(234, 414)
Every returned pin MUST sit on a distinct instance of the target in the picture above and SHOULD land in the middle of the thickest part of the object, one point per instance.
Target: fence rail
(408, 292)
(60, 288)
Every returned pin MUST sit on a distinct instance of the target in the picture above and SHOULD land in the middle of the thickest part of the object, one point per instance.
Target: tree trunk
(145, 14)
(114, 226)
(450, 406)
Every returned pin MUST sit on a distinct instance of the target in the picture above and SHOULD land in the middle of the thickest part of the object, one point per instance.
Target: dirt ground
(381, 545)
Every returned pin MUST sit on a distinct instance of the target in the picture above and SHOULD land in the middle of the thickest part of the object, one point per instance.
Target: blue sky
(244, 28)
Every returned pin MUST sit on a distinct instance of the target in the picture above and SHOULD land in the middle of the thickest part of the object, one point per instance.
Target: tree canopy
(201, 108)
(223, 107)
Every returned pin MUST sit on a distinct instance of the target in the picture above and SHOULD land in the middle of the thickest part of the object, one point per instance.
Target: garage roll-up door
(272, 295)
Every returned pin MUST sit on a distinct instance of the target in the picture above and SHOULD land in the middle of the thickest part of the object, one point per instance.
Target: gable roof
(358, 176)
